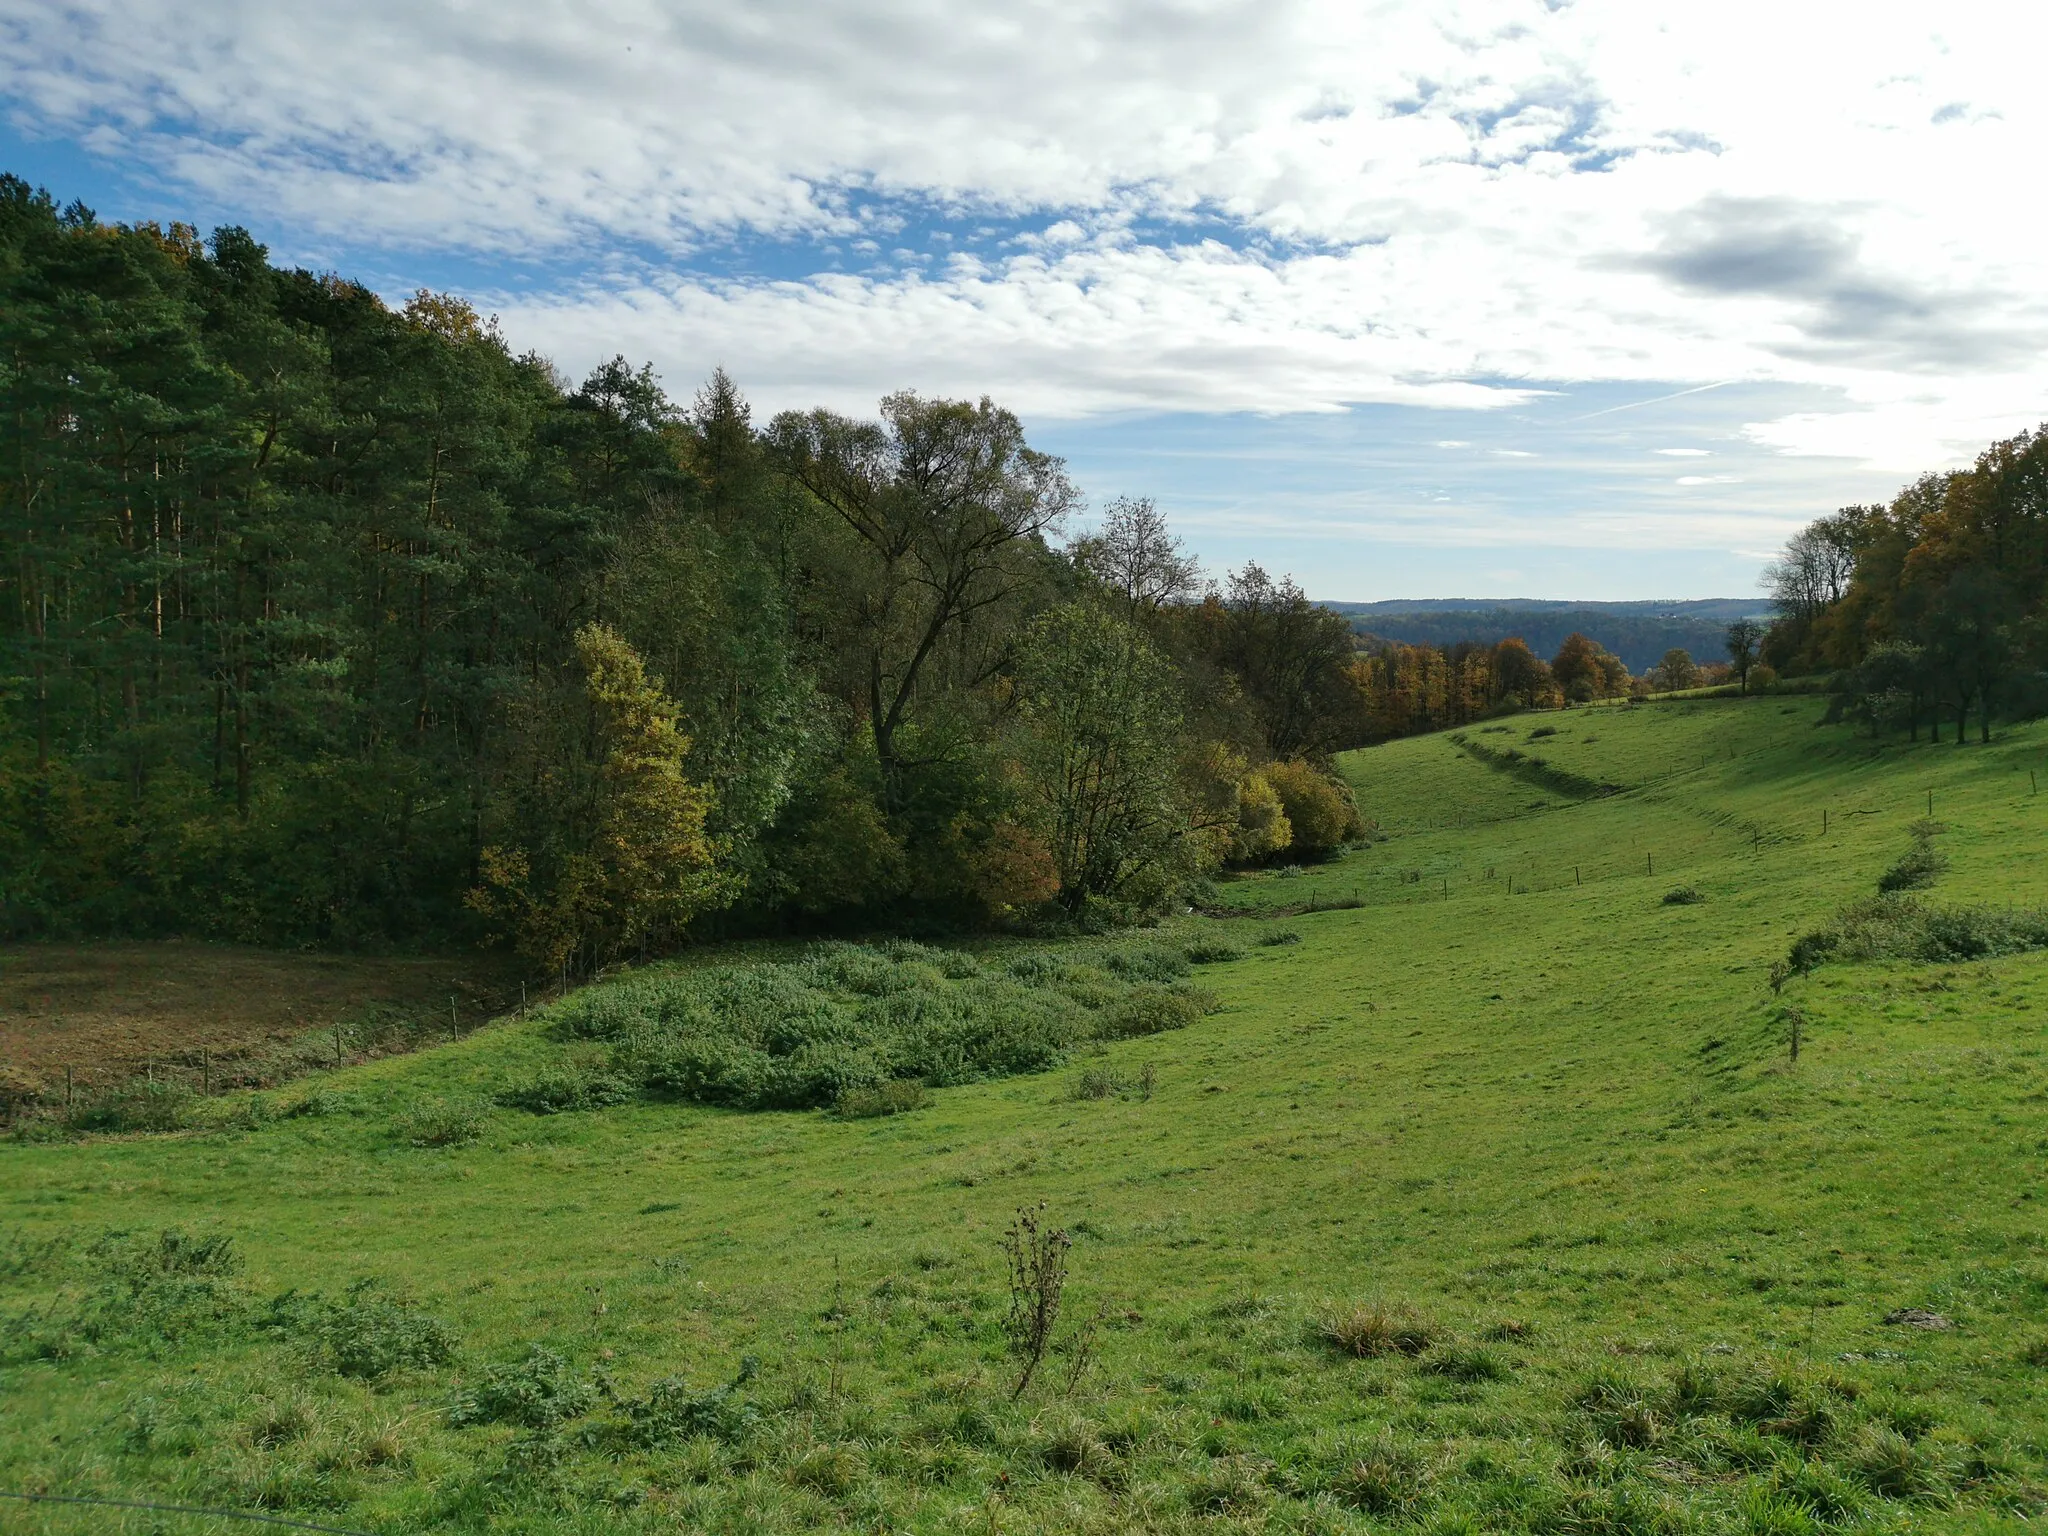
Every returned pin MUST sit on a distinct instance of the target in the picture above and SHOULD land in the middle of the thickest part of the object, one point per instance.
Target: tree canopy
(333, 622)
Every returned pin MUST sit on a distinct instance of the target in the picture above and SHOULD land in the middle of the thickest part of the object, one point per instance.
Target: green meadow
(1481, 1192)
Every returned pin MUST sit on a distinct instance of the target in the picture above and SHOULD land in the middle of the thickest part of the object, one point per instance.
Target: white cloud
(1414, 195)
(1683, 453)
(1709, 480)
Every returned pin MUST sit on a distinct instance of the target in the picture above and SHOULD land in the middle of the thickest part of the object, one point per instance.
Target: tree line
(1402, 690)
(328, 622)
(1927, 610)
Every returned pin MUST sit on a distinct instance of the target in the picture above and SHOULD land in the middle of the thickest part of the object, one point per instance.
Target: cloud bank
(1156, 205)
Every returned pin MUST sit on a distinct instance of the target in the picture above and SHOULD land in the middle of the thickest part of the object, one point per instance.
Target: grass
(1546, 1119)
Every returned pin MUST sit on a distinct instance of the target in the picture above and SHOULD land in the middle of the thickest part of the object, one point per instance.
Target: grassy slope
(1567, 1106)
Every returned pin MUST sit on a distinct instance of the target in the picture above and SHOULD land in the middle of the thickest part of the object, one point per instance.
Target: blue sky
(1596, 299)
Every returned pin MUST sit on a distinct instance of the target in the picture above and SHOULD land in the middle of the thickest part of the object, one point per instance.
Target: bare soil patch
(111, 1011)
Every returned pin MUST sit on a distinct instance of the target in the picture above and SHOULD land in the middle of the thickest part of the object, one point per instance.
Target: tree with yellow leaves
(614, 856)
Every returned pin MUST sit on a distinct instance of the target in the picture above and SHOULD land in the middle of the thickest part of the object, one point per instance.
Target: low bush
(320, 1103)
(1901, 928)
(535, 1392)
(366, 1335)
(1107, 1083)
(1888, 1463)
(896, 1097)
(1279, 936)
(137, 1106)
(1683, 896)
(859, 1028)
(171, 1254)
(1918, 867)
(1386, 1475)
(441, 1123)
(670, 1412)
(564, 1089)
(1213, 952)
(1153, 1010)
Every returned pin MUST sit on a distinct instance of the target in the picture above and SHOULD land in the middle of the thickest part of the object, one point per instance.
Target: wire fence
(181, 1509)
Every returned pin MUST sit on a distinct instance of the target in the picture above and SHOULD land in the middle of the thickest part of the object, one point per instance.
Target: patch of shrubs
(1901, 928)
(441, 1123)
(1279, 936)
(321, 1103)
(136, 1106)
(861, 1028)
(142, 1291)
(1469, 1363)
(1683, 896)
(537, 1392)
(366, 1335)
(1108, 1083)
(669, 1412)
(562, 1089)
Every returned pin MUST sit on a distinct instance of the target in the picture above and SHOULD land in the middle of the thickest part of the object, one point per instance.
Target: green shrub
(839, 1026)
(137, 1106)
(564, 1089)
(1915, 870)
(833, 1471)
(1888, 1463)
(1385, 1475)
(170, 1254)
(1900, 928)
(1683, 896)
(536, 1392)
(670, 1412)
(1098, 1083)
(441, 1123)
(1280, 936)
(1153, 1010)
(322, 1102)
(1147, 963)
(366, 1336)
(1213, 952)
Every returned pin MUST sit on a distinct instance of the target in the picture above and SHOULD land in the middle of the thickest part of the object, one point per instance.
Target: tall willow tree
(947, 506)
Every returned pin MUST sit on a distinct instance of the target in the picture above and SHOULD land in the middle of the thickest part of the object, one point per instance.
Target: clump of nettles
(864, 1029)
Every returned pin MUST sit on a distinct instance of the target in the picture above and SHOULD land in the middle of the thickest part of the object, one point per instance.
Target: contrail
(1698, 390)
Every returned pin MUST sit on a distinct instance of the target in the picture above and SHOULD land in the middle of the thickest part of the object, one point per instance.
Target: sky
(1551, 298)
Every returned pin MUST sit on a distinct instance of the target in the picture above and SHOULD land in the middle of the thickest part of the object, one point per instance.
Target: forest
(1929, 610)
(332, 623)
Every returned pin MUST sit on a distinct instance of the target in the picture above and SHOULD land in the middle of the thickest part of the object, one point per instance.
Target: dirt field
(111, 1011)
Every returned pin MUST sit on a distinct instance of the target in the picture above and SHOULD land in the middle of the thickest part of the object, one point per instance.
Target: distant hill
(1638, 632)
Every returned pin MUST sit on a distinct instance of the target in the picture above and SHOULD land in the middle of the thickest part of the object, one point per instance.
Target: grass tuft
(1377, 1329)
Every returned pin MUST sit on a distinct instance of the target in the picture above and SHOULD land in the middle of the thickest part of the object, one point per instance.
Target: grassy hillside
(1491, 1202)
